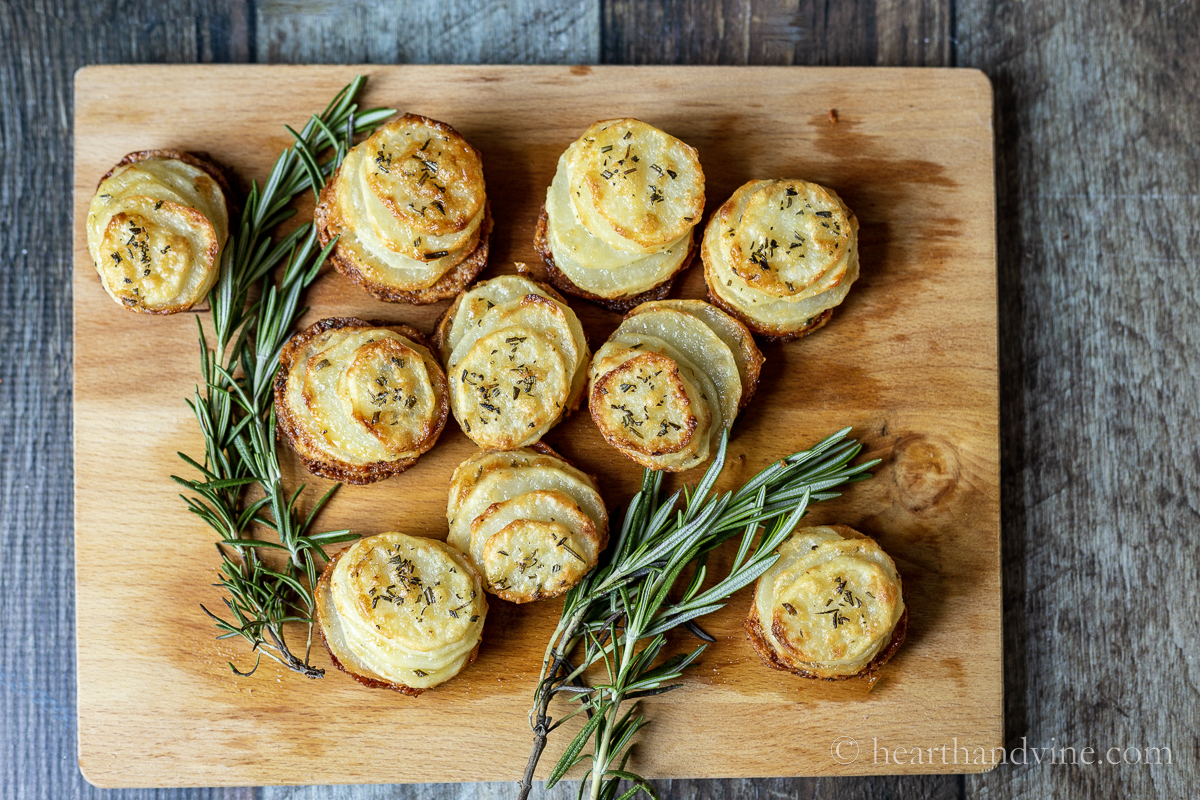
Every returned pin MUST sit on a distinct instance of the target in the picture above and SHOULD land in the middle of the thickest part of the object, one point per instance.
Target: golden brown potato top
(635, 186)
(831, 602)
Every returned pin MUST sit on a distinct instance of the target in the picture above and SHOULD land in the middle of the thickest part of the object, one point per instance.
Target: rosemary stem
(234, 409)
(633, 591)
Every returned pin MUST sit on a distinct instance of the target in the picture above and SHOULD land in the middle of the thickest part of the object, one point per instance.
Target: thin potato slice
(509, 388)
(635, 186)
(533, 546)
(732, 332)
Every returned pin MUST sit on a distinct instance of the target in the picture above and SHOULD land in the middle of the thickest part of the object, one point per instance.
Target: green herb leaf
(234, 405)
(620, 612)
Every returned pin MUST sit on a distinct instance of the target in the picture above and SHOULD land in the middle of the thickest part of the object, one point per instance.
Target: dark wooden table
(1098, 177)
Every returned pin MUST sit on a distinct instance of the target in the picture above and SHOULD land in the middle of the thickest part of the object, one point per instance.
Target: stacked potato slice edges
(359, 401)
(781, 255)
(156, 228)
(531, 523)
(401, 612)
(832, 606)
(670, 379)
(617, 224)
(409, 209)
(516, 357)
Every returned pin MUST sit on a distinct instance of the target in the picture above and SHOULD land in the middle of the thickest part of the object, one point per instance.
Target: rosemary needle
(619, 614)
(234, 406)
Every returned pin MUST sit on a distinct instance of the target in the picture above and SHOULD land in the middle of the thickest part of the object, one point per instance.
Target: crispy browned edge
(767, 332)
(199, 161)
(291, 431)
(602, 535)
(620, 304)
(757, 359)
(454, 281)
(771, 659)
(374, 683)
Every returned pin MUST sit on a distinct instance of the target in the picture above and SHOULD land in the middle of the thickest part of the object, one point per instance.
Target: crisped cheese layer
(155, 230)
(410, 609)
(829, 604)
(531, 524)
(365, 395)
(516, 360)
(411, 199)
(781, 252)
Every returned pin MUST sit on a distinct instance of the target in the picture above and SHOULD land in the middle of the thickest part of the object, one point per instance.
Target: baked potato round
(529, 521)
(617, 223)
(831, 608)
(670, 379)
(359, 401)
(780, 255)
(409, 208)
(156, 228)
(516, 357)
(400, 612)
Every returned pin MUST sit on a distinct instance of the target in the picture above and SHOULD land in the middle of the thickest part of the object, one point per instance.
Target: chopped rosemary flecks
(619, 613)
(234, 404)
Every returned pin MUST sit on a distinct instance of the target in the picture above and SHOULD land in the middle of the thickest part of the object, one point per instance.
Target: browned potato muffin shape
(156, 228)
(359, 401)
(400, 612)
(780, 255)
(616, 227)
(831, 608)
(672, 377)
(409, 208)
(516, 358)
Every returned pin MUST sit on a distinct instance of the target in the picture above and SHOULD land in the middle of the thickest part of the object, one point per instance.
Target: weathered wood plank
(41, 45)
(779, 32)
(1098, 169)
(451, 32)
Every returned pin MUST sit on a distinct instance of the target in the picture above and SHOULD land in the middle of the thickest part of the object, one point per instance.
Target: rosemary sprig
(235, 408)
(622, 610)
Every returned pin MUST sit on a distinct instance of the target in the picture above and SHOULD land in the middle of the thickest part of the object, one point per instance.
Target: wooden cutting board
(909, 360)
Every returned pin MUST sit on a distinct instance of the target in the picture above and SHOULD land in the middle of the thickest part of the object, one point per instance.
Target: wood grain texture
(448, 32)
(41, 45)
(910, 152)
(1098, 176)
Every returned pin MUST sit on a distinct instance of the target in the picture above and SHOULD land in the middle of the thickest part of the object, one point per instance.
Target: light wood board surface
(909, 360)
